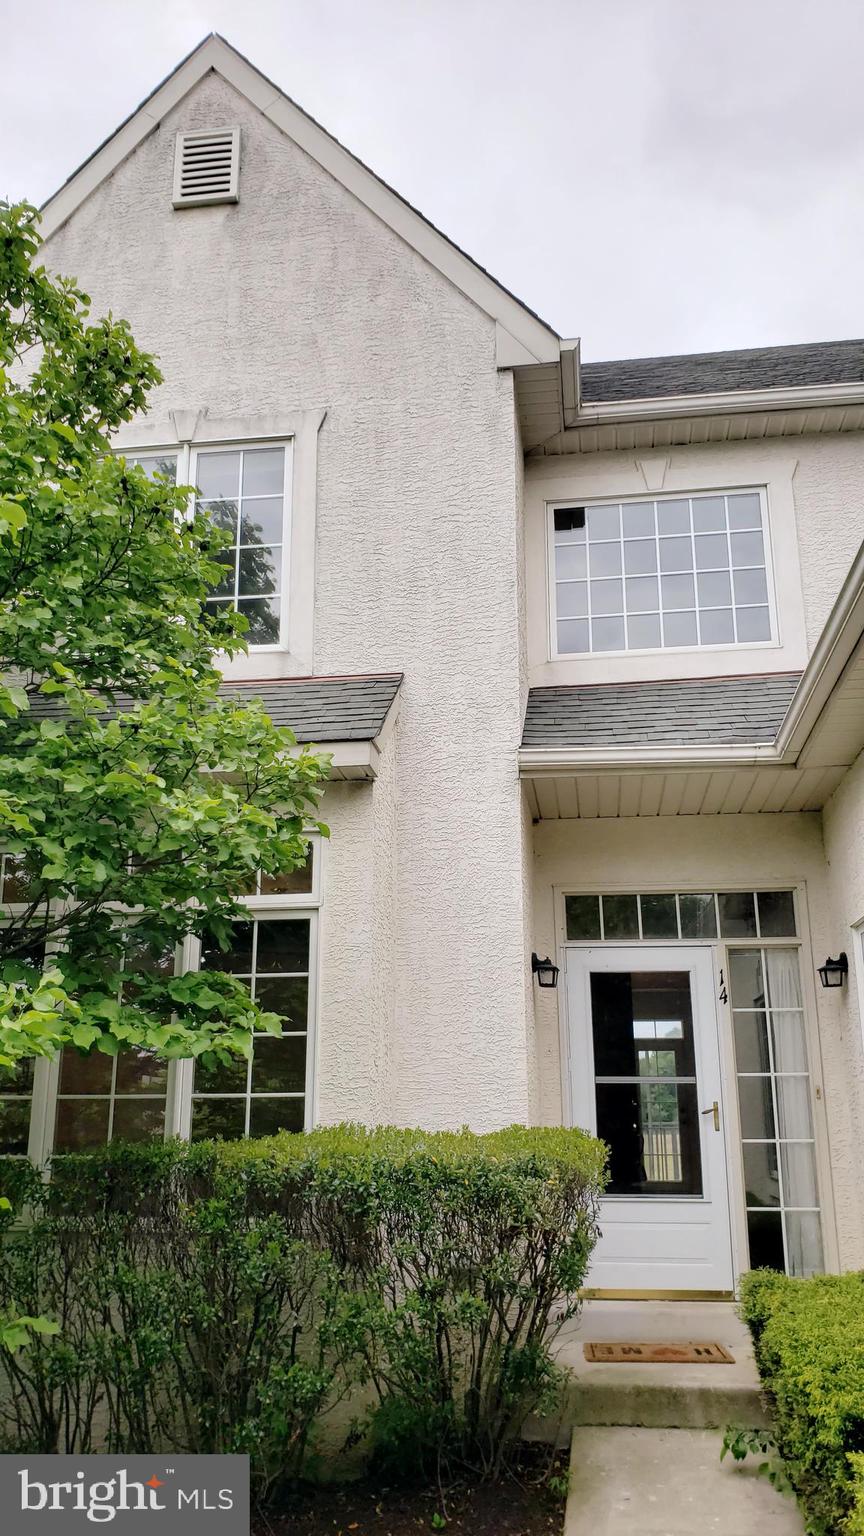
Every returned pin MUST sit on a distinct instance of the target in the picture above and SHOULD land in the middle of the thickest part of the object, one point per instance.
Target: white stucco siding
(707, 853)
(815, 494)
(299, 297)
(354, 1016)
(843, 823)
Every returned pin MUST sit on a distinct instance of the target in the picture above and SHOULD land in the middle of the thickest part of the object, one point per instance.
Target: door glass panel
(765, 1231)
(647, 1110)
(751, 1041)
(790, 1046)
(737, 914)
(620, 917)
(698, 917)
(659, 917)
(583, 917)
(804, 1242)
(761, 1173)
(778, 1148)
(756, 1104)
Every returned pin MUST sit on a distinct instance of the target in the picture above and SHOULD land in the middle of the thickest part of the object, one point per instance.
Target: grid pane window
(243, 491)
(742, 915)
(114, 1098)
(648, 575)
(153, 464)
(16, 1083)
(268, 1092)
(778, 1146)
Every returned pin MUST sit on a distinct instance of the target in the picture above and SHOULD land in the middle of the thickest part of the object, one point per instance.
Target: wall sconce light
(545, 971)
(833, 972)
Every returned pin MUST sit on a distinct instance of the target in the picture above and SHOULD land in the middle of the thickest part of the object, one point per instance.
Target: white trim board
(521, 336)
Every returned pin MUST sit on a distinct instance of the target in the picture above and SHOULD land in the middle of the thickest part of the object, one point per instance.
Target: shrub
(222, 1297)
(809, 1342)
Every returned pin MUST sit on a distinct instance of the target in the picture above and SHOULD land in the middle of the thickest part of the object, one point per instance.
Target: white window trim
(182, 432)
(187, 455)
(735, 647)
(178, 1096)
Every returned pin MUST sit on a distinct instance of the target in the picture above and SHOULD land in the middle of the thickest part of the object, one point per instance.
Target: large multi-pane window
(245, 491)
(266, 1093)
(113, 1098)
(669, 572)
(84, 1099)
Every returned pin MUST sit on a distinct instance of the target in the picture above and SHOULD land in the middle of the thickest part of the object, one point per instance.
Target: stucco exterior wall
(815, 489)
(298, 298)
(356, 949)
(707, 853)
(843, 820)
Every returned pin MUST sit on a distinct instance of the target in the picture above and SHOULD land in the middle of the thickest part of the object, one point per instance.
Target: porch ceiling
(732, 791)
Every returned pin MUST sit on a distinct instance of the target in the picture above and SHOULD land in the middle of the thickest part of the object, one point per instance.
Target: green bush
(809, 1342)
(222, 1297)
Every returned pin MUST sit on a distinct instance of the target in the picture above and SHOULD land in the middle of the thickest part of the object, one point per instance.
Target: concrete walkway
(668, 1482)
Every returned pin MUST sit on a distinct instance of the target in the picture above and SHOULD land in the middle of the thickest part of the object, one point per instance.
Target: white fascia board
(525, 330)
(726, 403)
(552, 762)
(840, 636)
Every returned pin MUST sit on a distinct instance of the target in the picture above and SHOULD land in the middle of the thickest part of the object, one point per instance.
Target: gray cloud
(653, 175)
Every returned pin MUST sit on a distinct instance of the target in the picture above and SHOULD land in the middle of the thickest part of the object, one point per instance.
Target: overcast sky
(650, 175)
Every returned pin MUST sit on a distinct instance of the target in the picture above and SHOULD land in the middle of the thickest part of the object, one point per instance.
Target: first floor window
(267, 1093)
(78, 1100)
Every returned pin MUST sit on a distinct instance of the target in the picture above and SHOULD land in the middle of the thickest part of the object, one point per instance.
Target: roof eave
(719, 403)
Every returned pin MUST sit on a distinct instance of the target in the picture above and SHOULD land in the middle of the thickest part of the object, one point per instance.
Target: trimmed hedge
(220, 1297)
(809, 1342)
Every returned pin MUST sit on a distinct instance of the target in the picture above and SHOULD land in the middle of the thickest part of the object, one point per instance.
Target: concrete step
(669, 1482)
(690, 1396)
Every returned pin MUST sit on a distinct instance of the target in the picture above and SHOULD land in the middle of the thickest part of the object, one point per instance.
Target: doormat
(658, 1354)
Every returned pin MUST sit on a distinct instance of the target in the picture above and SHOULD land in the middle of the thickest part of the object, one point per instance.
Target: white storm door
(645, 1077)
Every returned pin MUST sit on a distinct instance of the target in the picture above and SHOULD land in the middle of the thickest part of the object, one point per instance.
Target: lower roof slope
(323, 709)
(698, 373)
(723, 711)
(317, 709)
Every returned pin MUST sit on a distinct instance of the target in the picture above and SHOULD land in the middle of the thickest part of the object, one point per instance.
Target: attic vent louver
(207, 167)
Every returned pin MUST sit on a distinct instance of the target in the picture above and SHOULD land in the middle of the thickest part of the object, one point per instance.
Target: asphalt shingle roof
(722, 711)
(324, 708)
(317, 709)
(697, 373)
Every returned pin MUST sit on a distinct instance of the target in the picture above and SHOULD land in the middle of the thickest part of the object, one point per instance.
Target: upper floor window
(671, 572)
(243, 490)
(246, 491)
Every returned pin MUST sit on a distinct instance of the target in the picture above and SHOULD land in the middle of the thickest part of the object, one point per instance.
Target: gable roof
(522, 337)
(700, 373)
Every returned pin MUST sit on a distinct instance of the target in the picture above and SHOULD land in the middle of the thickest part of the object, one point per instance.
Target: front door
(645, 1077)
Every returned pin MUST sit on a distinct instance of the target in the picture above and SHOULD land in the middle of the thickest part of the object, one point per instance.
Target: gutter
(723, 403)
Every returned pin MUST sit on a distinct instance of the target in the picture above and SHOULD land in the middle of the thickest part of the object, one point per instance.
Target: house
(586, 645)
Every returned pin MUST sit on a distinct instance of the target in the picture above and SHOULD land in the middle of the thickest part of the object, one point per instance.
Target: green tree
(137, 804)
